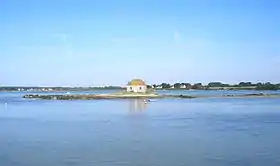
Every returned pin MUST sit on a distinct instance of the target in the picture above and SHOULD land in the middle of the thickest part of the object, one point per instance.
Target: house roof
(136, 82)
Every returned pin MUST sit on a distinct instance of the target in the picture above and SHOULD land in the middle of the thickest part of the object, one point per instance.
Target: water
(165, 132)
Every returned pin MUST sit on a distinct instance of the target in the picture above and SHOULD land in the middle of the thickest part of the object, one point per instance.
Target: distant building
(137, 86)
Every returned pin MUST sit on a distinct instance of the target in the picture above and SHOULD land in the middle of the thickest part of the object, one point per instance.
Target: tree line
(218, 85)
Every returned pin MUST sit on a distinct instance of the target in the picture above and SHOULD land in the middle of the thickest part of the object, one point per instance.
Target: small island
(135, 89)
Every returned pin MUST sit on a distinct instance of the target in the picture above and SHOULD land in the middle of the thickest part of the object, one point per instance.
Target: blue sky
(108, 42)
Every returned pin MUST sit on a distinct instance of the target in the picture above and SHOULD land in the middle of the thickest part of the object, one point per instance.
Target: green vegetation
(268, 86)
(219, 86)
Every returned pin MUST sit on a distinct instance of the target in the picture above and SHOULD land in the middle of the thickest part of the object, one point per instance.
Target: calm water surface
(168, 132)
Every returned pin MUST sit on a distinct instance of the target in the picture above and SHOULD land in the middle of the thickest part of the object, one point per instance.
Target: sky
(108, 42)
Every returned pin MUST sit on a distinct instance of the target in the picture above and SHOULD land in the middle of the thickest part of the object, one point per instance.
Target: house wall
(139, 88)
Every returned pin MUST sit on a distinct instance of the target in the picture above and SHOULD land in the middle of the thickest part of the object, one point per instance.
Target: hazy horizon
(96, 43)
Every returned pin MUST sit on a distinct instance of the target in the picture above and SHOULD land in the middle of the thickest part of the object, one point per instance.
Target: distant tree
(245, 84)
(177, 85)
(197, 86)
(154, 86)
(165, 85)
(188, 85)
(267, 86)
(241, 84)
(259, 84)
(215, 84)
(149, 86)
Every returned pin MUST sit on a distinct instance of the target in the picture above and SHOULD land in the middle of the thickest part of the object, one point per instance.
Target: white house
(137, 86)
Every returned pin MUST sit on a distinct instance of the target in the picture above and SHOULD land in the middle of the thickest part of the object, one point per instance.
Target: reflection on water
(137, 105)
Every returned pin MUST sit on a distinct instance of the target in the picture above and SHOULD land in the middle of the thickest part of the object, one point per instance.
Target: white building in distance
(137, 86)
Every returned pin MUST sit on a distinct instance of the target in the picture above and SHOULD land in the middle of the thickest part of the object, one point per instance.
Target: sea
(163, 132)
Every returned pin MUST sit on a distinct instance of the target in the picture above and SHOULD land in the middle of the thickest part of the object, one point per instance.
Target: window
(140, 88)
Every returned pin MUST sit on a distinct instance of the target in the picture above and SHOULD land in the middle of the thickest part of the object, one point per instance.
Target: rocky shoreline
(135, 96)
